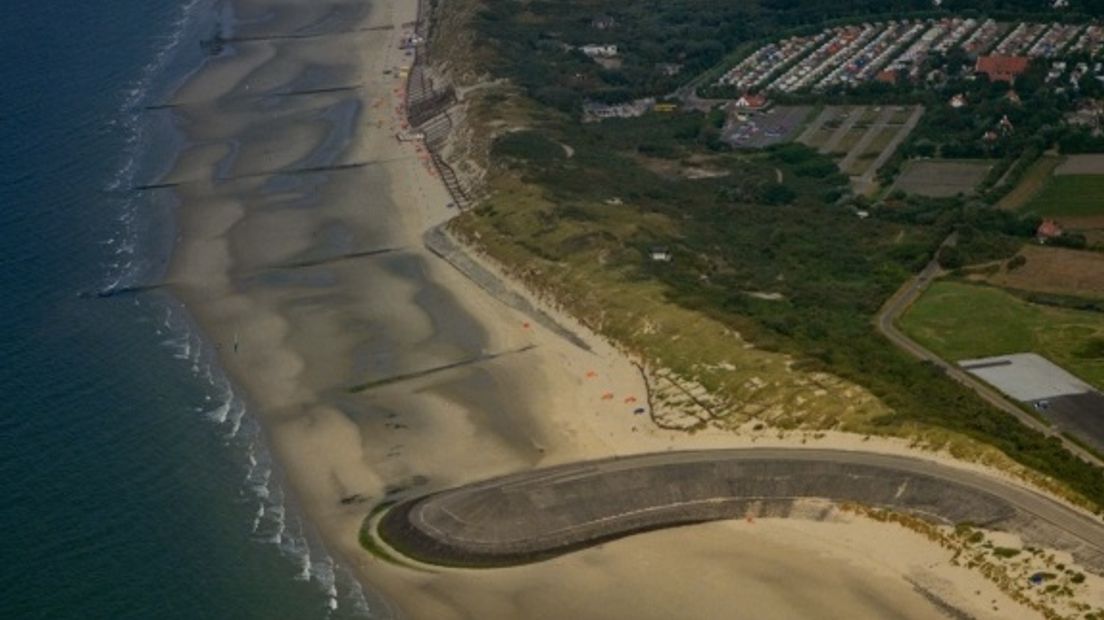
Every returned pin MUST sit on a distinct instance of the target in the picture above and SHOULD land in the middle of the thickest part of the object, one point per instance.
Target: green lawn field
(963, 321)
(1070, 194)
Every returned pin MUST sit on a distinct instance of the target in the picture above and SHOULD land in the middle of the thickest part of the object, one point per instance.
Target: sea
(134, 480)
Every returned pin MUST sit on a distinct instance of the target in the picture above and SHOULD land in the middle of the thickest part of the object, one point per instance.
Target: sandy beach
(376, 367)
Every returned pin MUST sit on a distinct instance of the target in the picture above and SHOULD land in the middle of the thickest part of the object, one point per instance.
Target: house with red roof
(1049, 229)
(1002, 68)
(887, 76)
(751, 102)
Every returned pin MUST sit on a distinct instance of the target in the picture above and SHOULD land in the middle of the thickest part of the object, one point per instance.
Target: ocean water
(133, 482)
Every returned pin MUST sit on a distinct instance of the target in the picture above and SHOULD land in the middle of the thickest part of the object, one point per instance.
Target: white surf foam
(271, 520)
(218, 404)
(131, 123)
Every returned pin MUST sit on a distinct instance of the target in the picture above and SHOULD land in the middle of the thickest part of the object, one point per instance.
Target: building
(661, 254)
(599, 51)
(603, 22)
(594, 111)
(1049, 229)
(751, 103)
(1002, 68)
(958, 101)
(669, 68)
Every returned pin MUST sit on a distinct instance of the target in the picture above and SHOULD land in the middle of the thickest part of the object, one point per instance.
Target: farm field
(1081, 164)
(1070, 194)
(1057, 271)
(965, 321)
(1092, 226)
(937, 178)
(1032, 183)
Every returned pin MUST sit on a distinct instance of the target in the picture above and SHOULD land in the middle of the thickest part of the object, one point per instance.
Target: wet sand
(300, 254)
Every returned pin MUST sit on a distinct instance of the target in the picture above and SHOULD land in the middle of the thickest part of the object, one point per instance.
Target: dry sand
(769, 568)
(301, 338)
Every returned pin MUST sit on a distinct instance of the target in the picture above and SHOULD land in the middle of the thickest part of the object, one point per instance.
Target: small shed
(1049, 229)
(660, 254)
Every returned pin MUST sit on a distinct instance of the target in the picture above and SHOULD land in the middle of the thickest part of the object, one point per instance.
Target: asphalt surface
(771, 127)
(538, 514)
(1081, 415)
(886, 322)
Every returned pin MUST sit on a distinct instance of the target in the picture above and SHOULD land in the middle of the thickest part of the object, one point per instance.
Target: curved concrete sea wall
(536, 515)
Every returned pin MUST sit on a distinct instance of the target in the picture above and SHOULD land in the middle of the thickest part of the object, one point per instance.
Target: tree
(777, 194)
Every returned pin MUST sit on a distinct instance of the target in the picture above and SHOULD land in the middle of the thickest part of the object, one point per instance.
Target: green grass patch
(849, 140)
(962, 321)
(1006, 552)
(528, 146)
(1072, 194)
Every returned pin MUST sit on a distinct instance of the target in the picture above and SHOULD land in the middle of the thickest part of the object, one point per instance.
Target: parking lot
(1079, 415)
(1073, 406)
(779, 124)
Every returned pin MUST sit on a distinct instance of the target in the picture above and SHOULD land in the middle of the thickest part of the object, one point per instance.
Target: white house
(661, 254)
(599, 51)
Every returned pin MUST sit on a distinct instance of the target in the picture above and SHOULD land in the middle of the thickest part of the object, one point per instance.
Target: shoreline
(285, 273)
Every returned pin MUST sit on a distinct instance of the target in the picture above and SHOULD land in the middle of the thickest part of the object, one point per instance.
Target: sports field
(964, 321)
(1070, 194)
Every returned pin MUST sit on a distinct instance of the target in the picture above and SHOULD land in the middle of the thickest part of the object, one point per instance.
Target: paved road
(825, 114)
(863, 183)
(853, 116)
(886, 323)
(533, 515)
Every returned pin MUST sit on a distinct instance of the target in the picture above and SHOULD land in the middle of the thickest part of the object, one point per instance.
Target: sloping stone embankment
(540, 514)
